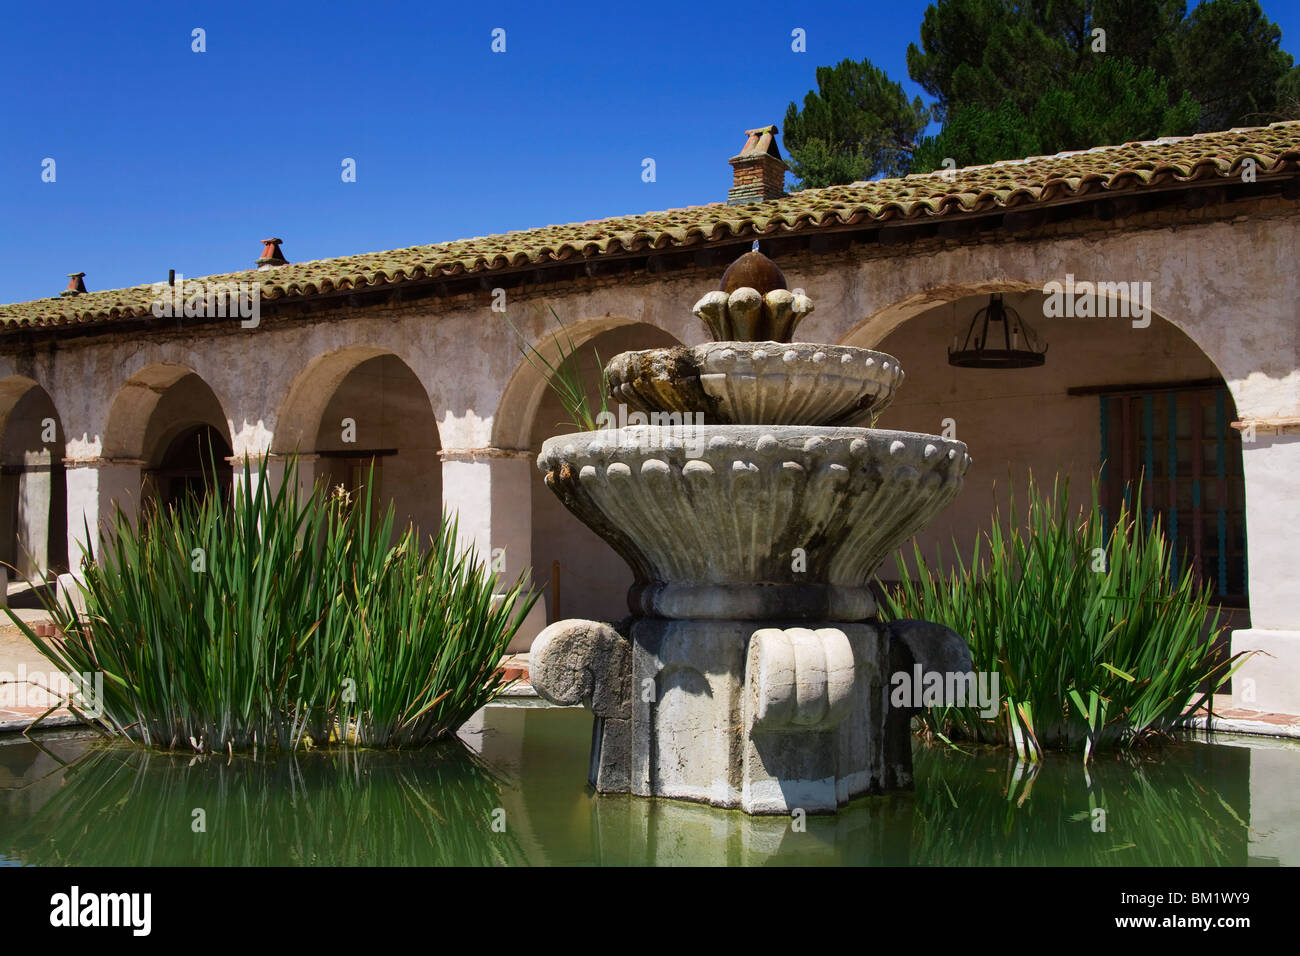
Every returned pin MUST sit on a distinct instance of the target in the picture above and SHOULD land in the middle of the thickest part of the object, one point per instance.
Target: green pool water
(515, 793)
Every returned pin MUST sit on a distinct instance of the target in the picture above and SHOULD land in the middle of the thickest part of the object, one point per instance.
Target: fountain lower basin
(753, 521)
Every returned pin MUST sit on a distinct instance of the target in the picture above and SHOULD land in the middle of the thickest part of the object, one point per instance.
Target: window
(1178, 441)
(195, 463)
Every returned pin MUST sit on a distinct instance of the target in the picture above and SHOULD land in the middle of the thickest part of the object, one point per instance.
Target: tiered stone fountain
(752, 672)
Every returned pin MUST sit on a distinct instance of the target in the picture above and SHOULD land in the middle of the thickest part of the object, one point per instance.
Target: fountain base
(758, 716)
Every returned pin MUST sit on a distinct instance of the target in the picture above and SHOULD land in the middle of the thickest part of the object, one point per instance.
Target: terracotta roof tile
(1008, 184)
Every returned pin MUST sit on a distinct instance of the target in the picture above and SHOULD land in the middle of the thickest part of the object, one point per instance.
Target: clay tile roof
(1010, 184)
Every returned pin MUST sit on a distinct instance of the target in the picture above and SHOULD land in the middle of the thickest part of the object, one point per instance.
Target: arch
(872, 330)
(1241, 314)
(33, 485)
(512, 423)
(153, 410)
(361, 407)
(13, 390)
(299, 416)
(1146, 399)
(593, 579)
(134, 431)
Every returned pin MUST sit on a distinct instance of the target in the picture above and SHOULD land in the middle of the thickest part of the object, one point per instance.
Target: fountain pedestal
(752, 674)
(766, 719)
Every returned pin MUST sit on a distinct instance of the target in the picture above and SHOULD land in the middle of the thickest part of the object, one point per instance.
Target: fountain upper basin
(750, 383)
(753, 522)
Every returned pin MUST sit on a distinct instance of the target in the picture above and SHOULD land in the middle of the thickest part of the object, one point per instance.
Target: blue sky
(171, 159)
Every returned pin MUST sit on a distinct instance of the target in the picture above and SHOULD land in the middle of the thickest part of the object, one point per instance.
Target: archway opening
(363, 415)
(33, 487)
(580, 574)
(169, 420)
(1129, 398)
(194, 465)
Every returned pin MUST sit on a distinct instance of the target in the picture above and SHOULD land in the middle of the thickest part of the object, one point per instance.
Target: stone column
(308, 469)
(1271, 462)
(249, 447)
(490, 489)
(35, 485)
(10, 546)
(95, 487)
(276, 464)
(274, 473)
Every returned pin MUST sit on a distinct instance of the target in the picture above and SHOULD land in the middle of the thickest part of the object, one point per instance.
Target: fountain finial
(755, 271)
(752, 303)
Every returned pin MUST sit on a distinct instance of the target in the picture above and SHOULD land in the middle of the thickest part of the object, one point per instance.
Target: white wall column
(307, 469)
(276, 466)
(1272, 469)
(10, 534)
(490, 490)
(249, 447)
(35, 485)
(97, 486)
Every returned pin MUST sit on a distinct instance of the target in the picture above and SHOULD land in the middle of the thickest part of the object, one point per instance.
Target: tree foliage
(1231, 62)
(858, 123)
(1010, 79)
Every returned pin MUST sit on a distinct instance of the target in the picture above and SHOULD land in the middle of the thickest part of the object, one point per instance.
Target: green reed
(1095, 641)
(278, 618)
(565, 378)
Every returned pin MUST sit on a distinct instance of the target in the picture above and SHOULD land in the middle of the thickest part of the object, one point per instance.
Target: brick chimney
(759, 170)
(75, 284)
(271, 254)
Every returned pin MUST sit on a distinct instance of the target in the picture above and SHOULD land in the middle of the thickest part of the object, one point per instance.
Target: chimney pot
(75, 284)
(271, 254)
(758, 170)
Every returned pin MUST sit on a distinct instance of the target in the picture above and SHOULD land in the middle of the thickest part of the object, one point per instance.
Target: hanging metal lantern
(998, 338)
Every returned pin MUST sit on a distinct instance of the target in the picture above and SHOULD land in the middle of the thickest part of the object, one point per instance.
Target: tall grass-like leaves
(272, 617)
(428, 641)
(565, 377)
(1095, 642)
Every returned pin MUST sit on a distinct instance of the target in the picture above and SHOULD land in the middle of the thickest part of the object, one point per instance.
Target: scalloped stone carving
(746, 314)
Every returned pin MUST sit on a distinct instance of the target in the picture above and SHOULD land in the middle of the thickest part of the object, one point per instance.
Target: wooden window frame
(1131, 409)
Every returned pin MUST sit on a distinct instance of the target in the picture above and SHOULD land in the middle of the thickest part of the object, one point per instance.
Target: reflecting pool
(512, 793)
